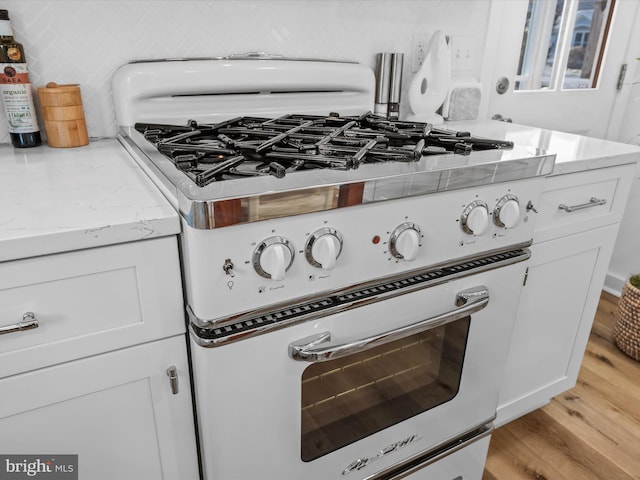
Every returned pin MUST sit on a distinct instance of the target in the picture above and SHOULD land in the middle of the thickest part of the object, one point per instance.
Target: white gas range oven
(351, 282)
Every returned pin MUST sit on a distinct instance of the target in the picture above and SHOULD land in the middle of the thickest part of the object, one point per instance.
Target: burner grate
(254, 146)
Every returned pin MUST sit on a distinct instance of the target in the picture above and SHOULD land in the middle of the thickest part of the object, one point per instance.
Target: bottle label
(18, 98)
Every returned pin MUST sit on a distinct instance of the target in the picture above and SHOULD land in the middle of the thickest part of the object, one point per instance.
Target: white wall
(86, 41)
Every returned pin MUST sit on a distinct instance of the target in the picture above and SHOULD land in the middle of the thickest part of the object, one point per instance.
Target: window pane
(587, 43)
(539, 44)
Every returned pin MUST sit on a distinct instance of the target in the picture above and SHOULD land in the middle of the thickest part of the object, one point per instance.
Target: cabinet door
(555, 314)
(116, 411)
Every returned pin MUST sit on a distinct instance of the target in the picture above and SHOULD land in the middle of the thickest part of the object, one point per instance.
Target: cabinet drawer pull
(594, 202)
(172, 373)
(28, 322)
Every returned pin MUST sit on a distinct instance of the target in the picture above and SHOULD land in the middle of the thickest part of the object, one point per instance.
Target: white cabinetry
(576, 227)
(92, 378)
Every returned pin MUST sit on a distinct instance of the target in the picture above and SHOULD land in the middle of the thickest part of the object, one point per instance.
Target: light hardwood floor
(591, 432)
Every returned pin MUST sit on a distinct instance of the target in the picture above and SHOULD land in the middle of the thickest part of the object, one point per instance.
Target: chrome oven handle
(317, 348)
(28, 322)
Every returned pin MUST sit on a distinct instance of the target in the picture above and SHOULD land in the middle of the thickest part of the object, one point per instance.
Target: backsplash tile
(72, 41)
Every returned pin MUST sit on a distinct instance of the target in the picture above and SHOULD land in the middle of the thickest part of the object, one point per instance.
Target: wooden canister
(63, 115)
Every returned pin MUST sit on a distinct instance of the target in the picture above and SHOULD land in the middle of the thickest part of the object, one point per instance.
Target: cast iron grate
(255, 146)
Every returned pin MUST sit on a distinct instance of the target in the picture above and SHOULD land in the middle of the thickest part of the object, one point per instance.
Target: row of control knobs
(475, 216)
(274, 255)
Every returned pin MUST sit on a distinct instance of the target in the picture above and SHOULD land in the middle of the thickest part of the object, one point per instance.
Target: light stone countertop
(574, 153)
(56, 200)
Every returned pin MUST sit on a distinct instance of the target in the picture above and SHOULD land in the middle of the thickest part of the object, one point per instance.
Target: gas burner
(254, 146)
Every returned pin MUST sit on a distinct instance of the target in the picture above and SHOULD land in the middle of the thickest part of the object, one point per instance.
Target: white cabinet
(116, 411)
(92, 378)
(564, 280)
(576, 228)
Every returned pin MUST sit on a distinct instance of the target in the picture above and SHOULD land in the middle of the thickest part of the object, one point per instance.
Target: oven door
(358, 392)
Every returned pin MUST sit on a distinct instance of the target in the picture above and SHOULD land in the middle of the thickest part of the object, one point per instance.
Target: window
(563, 44)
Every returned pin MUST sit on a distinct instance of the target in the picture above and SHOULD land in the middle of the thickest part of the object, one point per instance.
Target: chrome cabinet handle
(593, 202)
(29, 321)
(172, 373)
(317, 348)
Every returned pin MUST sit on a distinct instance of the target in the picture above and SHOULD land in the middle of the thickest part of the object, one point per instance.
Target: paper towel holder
(430, 85)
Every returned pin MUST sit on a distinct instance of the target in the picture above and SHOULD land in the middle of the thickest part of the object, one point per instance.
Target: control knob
(405, 241)
(273, 257)
(323, 248)
(506, 214)
(475, 218)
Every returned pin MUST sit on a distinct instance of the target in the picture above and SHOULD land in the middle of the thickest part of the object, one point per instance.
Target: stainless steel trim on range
(386, 181)
(424, 459)
(315, 348)
(217, 332)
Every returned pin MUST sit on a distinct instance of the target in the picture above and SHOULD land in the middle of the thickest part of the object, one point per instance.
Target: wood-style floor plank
(589, 432)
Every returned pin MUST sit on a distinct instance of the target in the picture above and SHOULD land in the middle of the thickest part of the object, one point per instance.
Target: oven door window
(350, 398)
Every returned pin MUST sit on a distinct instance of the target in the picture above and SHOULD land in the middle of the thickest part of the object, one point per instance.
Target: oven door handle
(317, 348)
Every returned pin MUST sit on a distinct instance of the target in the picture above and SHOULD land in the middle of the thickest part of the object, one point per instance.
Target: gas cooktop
(252, 146)
(252, 168)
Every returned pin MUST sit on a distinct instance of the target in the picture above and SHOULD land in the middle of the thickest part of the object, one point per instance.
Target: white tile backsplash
(73, 41)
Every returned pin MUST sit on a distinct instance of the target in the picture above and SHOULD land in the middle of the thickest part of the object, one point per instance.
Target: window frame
(537, 43)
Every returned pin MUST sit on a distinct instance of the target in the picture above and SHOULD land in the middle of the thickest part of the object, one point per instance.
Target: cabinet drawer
(89, 301)
(582, 201)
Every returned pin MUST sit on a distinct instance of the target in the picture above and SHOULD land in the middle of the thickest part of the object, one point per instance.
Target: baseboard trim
(613, 284)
